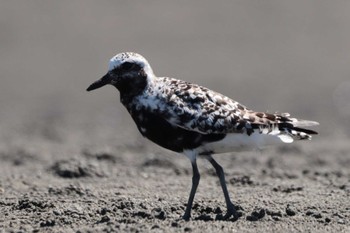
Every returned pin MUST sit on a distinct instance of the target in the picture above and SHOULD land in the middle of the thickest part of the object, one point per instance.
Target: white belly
(240, 142)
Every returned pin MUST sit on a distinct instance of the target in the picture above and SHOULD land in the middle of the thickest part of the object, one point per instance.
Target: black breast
(161, 132)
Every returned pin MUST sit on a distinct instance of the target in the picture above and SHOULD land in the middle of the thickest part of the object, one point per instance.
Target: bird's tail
(294, 132)
(287, 128)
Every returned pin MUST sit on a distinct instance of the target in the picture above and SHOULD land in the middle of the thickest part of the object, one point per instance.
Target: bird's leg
(231, 210)
(195, 182)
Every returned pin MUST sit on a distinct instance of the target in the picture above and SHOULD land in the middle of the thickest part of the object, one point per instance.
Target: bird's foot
(232, 211)
(186, 217)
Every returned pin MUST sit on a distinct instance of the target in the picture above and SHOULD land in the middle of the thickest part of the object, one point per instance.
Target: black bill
(100, 83)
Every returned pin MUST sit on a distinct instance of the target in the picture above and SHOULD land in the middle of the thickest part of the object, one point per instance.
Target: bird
(191, 119)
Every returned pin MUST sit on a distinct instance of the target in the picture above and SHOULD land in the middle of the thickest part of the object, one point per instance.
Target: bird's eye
(127, 65)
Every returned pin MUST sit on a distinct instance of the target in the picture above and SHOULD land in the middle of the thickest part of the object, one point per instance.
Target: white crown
(120, 58)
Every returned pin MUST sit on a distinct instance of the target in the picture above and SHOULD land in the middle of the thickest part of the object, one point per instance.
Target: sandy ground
(72, 161)
(136, 189)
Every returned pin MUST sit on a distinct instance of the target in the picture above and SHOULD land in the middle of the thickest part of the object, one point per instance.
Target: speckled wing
(199, 109)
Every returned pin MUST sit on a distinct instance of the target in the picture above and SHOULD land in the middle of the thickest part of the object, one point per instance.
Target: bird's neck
(130, 90)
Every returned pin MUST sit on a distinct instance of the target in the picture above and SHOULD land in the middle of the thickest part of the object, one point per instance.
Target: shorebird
(194, 120)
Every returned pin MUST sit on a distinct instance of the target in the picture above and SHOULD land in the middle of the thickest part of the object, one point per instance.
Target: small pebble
(290, 211)
(155, 226)
(174, 224)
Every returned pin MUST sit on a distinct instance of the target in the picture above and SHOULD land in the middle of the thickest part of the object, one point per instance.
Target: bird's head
(128, 72)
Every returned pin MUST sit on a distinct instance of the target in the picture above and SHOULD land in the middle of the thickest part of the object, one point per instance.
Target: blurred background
(273, 55)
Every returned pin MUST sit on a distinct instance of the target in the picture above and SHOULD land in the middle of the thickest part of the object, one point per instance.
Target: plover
(194, 120)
